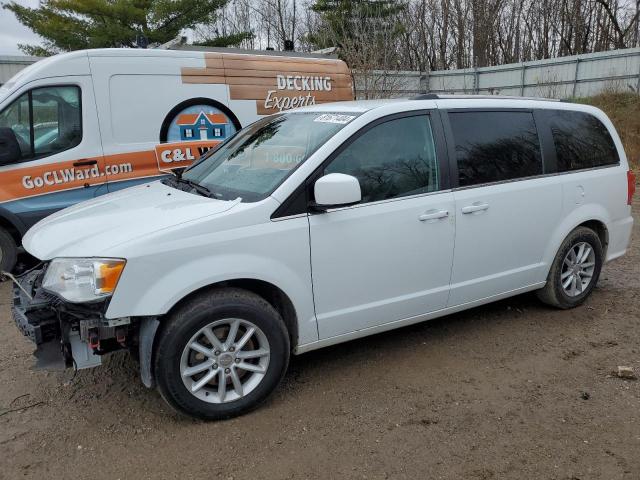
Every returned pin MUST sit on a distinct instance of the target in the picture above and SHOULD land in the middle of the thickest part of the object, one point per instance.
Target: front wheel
(575, 270)
(221, 354)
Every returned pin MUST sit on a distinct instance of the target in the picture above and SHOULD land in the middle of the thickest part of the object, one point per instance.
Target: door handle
(475, 207)
(85, 163)
(433, 215)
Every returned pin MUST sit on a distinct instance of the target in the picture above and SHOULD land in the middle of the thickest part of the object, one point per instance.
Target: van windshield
(253, 163)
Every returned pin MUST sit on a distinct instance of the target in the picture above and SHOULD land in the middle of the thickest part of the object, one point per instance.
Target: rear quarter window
(581, 141)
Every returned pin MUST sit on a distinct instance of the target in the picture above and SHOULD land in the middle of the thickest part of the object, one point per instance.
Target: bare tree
(440, 34)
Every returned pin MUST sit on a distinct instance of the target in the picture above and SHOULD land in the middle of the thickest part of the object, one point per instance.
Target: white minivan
(324, 224)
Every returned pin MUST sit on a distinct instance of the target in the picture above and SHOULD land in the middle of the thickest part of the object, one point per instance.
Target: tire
(557, 295)
(215, 312)
(8, 251)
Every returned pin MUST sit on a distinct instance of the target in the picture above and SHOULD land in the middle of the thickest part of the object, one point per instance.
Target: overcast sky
(13, 32)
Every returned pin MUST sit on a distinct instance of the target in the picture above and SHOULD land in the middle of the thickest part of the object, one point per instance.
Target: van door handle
(475, 207)
(85, 163)
(433, 215)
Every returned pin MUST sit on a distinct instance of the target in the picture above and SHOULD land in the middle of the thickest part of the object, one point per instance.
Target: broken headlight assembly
(81, 280)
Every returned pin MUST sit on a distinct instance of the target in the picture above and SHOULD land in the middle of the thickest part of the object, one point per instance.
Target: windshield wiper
(200, 189)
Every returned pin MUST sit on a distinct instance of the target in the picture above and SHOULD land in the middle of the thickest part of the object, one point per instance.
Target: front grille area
(35, 317)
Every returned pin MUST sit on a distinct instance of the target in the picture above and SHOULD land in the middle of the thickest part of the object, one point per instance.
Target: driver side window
(17, 117)
(45, 121)
(396, 158)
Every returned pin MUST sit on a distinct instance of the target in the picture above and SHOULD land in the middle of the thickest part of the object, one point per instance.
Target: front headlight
(83, 279)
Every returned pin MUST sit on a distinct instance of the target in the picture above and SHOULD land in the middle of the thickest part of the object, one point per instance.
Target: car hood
(90, 228)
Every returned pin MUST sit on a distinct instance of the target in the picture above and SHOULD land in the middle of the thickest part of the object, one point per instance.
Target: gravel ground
(509, 390)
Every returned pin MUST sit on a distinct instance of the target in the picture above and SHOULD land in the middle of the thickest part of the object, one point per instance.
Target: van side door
(506, 203)
(387, 258)
(60, 159)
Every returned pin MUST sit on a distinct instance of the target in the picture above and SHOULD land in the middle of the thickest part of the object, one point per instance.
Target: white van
(81, 124)
(325, 224)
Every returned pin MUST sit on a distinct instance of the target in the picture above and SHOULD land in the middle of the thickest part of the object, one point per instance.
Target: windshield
(257, 159)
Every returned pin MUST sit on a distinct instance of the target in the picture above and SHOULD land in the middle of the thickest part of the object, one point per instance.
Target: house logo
(202, 126)
(191, 133)
(197, 123)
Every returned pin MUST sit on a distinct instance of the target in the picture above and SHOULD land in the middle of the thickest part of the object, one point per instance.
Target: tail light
(631, 186)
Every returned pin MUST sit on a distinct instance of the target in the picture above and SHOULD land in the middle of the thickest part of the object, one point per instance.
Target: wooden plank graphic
(275, 83)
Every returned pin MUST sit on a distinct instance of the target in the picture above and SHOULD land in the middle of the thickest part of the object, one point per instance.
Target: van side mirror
(9, 146)
(336, 190)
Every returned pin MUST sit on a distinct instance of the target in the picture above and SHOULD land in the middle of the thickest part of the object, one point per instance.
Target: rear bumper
(619, 237)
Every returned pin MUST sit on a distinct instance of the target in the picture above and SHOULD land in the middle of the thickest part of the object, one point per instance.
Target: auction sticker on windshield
(334, 118)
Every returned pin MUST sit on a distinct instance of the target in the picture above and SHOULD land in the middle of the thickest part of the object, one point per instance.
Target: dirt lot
(509, 390)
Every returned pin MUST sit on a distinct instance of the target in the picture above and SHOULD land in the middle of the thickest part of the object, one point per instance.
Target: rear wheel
(8, 251)
(221, 354)
(575, 270)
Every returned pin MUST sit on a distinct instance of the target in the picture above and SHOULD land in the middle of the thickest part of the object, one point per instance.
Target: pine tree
(345, 20)
(78, 24)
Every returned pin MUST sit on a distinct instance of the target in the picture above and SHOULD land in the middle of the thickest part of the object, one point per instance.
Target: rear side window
(396, 158)
(495, 146)
(581, 141)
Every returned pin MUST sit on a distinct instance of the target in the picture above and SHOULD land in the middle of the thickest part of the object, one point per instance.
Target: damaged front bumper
(33, 313)
(67, 334)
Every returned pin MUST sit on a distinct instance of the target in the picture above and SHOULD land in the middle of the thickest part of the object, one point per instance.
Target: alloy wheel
(225, 360)
(577, 269)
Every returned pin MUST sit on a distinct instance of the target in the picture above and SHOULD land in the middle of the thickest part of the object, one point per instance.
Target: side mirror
(9, 146)
(336, 190)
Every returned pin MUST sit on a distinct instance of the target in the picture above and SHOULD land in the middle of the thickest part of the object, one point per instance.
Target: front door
(61, 159)
(389, 257)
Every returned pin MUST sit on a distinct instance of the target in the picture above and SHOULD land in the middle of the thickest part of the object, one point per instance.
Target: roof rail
(436, 96)
(275, 53)
(426, 96)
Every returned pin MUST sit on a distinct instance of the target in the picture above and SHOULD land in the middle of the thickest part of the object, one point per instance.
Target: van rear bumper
(619, 237)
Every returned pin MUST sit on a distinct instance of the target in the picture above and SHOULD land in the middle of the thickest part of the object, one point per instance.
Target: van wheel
(575, 270)
(8, 251)
(221, 354)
